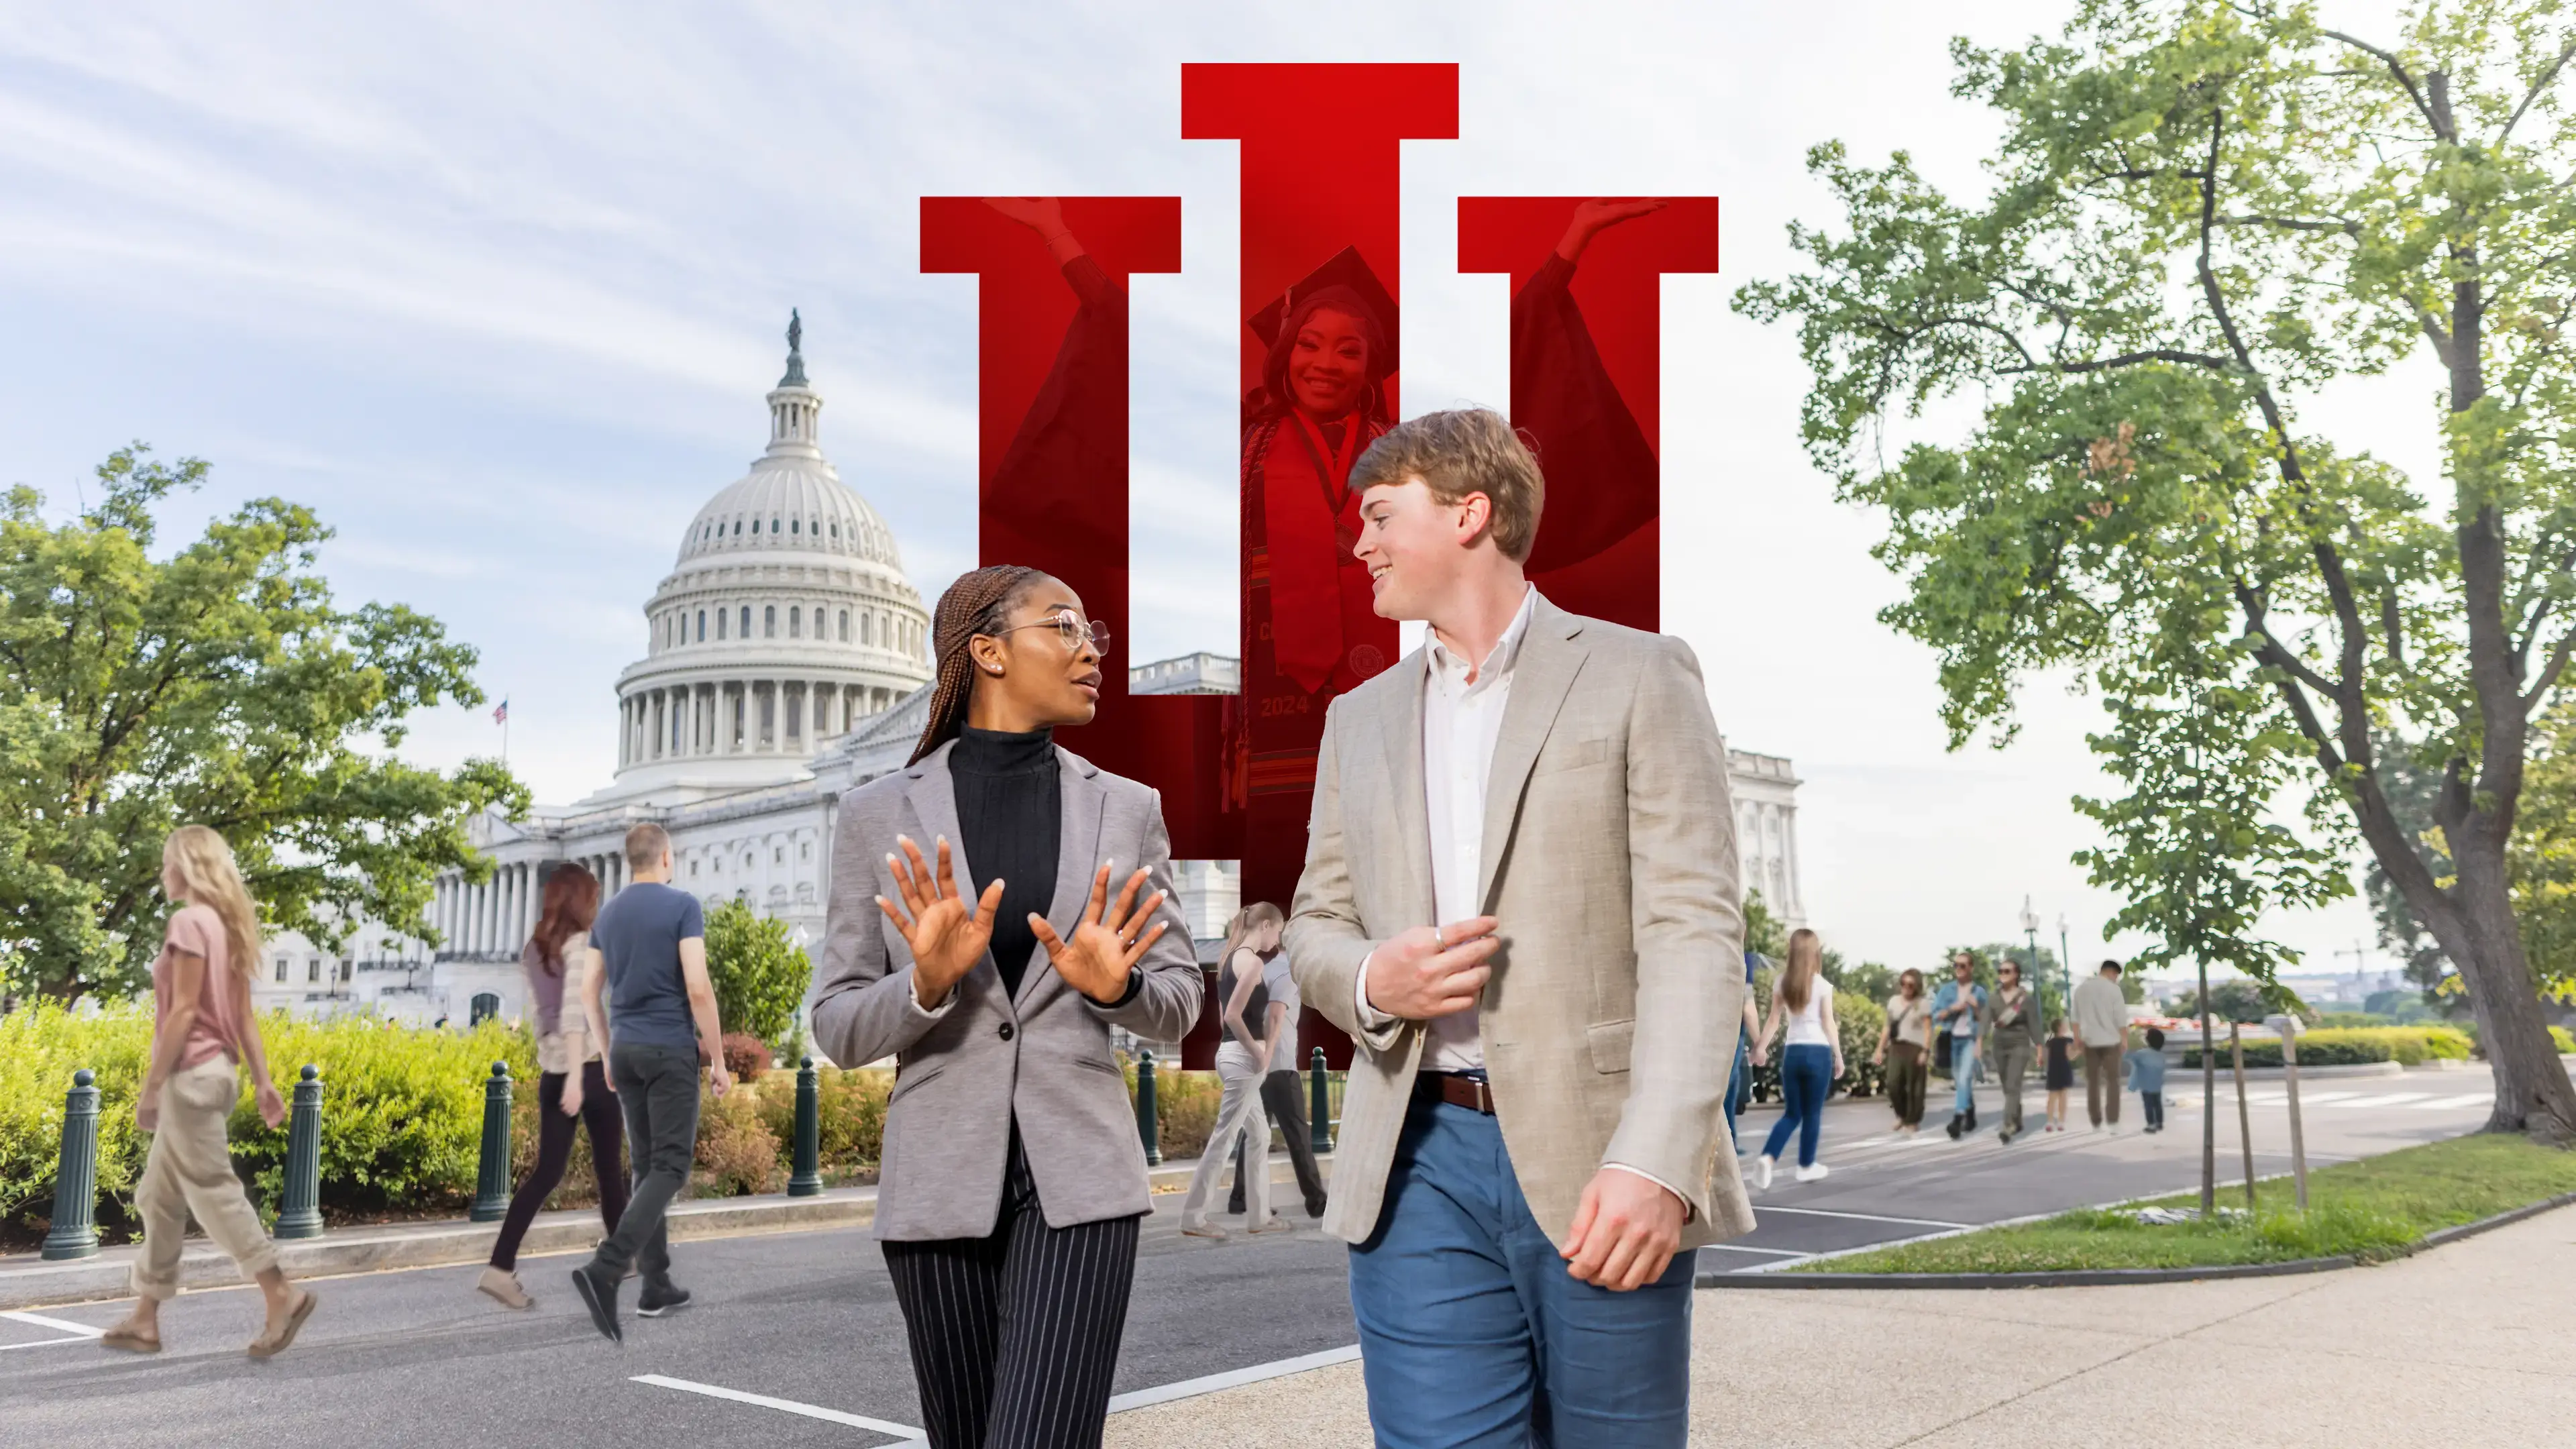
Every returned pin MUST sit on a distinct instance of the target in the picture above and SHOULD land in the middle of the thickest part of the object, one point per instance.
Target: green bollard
(492, 1177)
(1146, 1127)
(300, 1215)
(808, 1179)
(1319, 1106)
(74, 1233)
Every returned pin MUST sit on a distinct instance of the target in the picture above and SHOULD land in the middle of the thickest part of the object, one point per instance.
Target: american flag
(501, 715)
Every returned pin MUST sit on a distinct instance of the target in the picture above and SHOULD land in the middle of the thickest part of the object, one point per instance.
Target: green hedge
(402, 1117)
(2409, 1045)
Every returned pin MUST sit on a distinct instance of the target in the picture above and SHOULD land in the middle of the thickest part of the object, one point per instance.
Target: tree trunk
(2532, 1090)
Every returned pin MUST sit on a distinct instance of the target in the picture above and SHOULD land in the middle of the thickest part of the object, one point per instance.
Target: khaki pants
(1238, 1112)
(2102, 1084)
(2012, 1063)
(190, 1169)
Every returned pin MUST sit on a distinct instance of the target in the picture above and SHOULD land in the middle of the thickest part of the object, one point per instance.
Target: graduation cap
(1347, 275)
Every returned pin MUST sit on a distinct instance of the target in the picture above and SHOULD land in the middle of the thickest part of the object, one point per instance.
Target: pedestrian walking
(1959, 1005)
(1521, 900)
(2061, 1070)
(2102, 1022)
(1811, 1057)
(660, 1009)
(1748, 1055)
(1013, 1180)
(573, 1088)
(1904, 1044)
(1242, 1064)
(1283, 1091)
(2147, 1078)
(2012, 1031)
(203, 1035)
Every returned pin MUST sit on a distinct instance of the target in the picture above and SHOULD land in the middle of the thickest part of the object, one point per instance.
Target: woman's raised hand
(945, 940)
(1041, 214)
(1107, 942)
(1592, 217)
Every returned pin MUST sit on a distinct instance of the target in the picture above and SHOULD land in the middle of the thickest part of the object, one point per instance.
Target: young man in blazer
(1520, 899)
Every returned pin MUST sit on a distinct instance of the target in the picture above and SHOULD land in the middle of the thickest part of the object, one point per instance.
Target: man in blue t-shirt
(652, 941)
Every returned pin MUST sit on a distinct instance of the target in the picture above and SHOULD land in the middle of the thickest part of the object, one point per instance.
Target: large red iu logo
(1322, 353)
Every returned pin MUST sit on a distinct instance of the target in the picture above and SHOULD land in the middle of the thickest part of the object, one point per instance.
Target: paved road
(417, 1357)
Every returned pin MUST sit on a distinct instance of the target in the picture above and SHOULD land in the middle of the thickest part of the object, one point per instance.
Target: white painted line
(1192, 1388)
(1774, 1252)
(65, 1324)
(789, 1406)
(2390, 1099)
(2319, 1099)
(50, 1342)
(2453, 1104)
(1762, 1208)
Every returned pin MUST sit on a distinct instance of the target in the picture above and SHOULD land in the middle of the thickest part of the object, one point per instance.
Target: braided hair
(978, 603)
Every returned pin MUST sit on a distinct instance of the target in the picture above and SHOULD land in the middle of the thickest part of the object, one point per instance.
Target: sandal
(265, 1346)
(128, 1340)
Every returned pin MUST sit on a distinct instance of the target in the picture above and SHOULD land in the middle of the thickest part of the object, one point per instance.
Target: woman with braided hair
(975, 933)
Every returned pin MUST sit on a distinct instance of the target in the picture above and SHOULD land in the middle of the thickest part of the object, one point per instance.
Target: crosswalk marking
(2390, 1099)
(2465, 1099)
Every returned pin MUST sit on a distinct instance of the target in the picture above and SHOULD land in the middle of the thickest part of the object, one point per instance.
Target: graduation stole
(1304, 496)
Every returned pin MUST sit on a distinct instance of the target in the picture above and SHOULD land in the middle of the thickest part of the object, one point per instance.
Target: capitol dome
(786, 620)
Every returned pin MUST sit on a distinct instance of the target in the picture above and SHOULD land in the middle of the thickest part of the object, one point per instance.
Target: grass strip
(2373, 1210)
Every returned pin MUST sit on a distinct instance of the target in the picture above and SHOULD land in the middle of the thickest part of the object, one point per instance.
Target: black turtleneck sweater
(1010, 812)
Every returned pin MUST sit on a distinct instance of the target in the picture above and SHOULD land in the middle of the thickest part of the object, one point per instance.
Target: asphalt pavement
(787, 1327)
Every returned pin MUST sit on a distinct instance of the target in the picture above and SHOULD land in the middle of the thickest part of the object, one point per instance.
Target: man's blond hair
(646, 844)
(1459, 453)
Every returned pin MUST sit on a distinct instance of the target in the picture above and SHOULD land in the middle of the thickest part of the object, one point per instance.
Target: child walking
(2147, 1078)
(2061, 1071)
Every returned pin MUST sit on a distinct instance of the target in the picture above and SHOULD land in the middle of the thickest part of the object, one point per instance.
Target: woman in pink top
(202, 1034)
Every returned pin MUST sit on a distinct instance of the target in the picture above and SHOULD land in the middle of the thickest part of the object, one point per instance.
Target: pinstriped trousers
(1015, 1335)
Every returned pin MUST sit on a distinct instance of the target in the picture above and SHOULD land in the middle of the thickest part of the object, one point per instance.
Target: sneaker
(2005, 1137)
(503, 1285)
(1203, 1230)
(1762, 1172)
(657, 1301)
(599, 1294)
(1812, 1172)
(1275, 1225)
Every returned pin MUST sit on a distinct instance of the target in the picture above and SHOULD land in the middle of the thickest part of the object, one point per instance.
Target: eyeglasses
(1072, 628)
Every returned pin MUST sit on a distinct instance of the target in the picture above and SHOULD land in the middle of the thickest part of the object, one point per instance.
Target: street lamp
(2065, 964)
(2030, 929)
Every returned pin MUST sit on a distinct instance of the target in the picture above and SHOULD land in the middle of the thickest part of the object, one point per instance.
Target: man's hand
(1432, 971)
(272, 1104)
(719, 1080)
(1626, 1231)
(1107, 942)
(945, 941)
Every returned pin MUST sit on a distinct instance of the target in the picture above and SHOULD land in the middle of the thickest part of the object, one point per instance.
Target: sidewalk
(2466, 1344)
(29, 1282)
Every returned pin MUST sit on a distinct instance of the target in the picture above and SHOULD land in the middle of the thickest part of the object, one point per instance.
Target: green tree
(2201, 212)
(1764, 933)
(2235, 999)
(220, 685)
(2544, 856)
(757, 969)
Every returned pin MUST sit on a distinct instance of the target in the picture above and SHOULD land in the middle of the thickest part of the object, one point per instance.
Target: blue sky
(497, 289)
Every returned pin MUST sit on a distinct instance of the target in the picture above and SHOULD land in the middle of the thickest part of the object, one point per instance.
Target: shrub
(2565, 1039)
(758, 971)
(1184, 1108)
(849, 1116)
(746, 1056)
(736, 1152)
(2410, 1045)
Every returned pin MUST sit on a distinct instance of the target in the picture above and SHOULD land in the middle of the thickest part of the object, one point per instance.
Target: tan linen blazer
(1041, 1056)
(1609, 1023)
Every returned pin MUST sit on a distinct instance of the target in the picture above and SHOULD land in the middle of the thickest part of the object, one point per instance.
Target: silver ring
(1440, 938)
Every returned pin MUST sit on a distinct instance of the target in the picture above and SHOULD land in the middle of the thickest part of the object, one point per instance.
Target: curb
(448, 1244)
(2118, 1277)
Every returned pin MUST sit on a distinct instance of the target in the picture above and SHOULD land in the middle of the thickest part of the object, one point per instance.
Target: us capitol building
(787, 659)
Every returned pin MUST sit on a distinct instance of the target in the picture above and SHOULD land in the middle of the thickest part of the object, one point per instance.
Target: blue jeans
(1806, 1076)
(1473, 1335)
(1963, 1074)
(1735, 1088)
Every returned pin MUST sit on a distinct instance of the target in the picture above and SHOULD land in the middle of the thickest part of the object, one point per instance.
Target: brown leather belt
(1473, 1093)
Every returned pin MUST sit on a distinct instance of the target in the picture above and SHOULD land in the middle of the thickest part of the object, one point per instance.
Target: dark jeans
(1806, 1075)
(2154, 1102)
(554, 1149)
(658, 1087)
(1737, 1084)
(1282, 1093)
